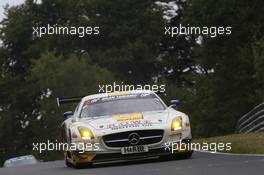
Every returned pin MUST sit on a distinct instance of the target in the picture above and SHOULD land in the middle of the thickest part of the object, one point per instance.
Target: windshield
(121, 105)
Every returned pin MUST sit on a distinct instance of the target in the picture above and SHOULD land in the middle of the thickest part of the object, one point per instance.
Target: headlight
(176, 124)
(86, 134)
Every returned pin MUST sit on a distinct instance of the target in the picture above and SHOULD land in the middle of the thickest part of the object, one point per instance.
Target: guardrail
(253, 121)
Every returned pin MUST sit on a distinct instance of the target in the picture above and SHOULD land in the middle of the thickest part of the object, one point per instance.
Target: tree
(36, 119)
(258, 54)
(225, 87)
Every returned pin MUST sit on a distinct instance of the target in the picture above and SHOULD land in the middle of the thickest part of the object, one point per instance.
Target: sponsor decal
(117, 96)
(128, 117)
(130, 124)
(87, 103)
(118, 93)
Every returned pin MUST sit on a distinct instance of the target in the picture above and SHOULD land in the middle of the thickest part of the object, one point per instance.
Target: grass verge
(252, 143)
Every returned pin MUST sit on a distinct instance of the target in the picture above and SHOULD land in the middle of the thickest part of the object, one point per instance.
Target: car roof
(20, 158)
(117, 93)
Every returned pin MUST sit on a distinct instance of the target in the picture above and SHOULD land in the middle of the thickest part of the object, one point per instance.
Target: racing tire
(77, 165)
(82, 165)
(178, 156)
(67, 163)
(186, 155)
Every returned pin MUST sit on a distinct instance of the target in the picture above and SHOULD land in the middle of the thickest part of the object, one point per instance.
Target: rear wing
(63, 100)
(161, 92)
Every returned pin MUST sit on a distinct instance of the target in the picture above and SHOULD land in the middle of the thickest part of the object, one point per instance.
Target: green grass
(252, 143)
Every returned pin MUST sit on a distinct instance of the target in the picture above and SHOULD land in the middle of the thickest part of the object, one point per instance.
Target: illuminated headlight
(85, 133)
(176, 124)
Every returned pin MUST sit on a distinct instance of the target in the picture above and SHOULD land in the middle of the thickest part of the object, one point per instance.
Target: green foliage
(258, 53)
(227, 88)
(63, 77)
(251, 143)
(68, 76)
(35, 116)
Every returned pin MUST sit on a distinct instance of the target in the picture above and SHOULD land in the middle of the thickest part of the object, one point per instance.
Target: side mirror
(68, 114)
(175, 103)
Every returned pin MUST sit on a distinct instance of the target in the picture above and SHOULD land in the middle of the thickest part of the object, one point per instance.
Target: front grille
(121, 139)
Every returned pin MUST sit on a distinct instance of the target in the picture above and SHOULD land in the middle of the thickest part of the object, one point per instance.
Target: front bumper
(83, 157)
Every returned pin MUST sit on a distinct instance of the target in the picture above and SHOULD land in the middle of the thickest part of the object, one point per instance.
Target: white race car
(20, 161)
(123, 125)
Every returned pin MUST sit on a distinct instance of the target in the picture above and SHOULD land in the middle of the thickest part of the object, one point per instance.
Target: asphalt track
(199, 164)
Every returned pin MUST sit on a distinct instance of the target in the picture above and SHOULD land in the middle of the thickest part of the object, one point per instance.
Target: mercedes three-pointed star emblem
(133, 138)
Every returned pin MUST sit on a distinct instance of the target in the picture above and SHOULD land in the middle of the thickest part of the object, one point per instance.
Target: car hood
(130, 120)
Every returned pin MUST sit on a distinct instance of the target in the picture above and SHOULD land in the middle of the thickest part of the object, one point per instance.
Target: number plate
(134, 149)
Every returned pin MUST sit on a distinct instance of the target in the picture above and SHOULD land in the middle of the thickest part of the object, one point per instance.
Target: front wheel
(82, 165)
(178, 156)
(77, 165)
(67, 163)
(186, 155)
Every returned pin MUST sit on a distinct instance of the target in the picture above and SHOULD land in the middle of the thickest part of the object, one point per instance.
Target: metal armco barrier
(253, 121)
